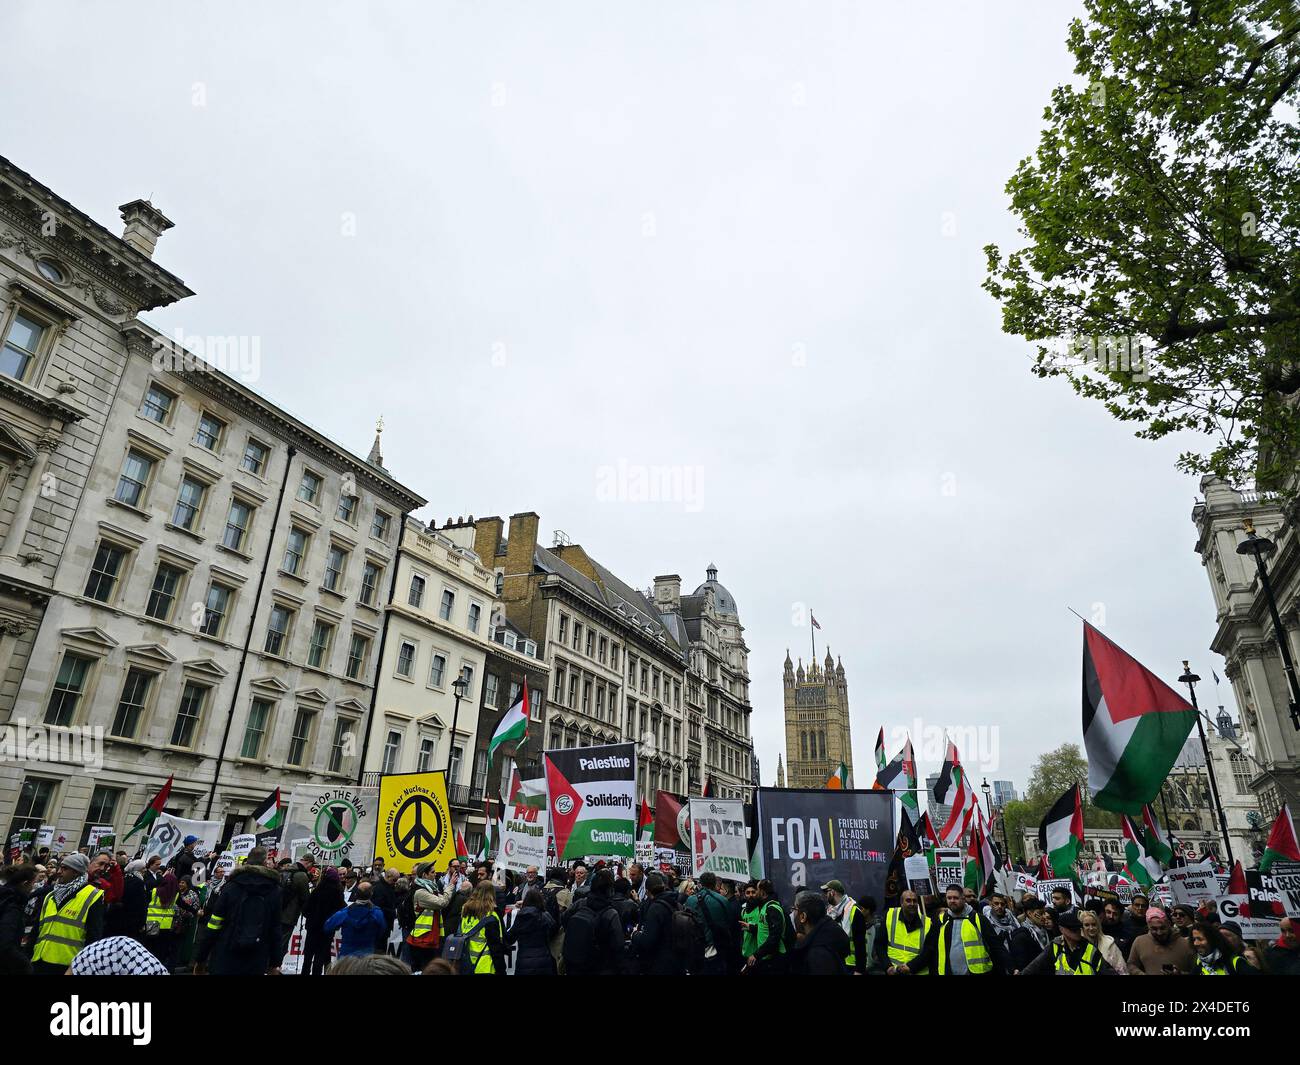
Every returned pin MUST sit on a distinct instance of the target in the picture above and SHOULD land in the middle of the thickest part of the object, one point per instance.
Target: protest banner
(1025, 882)
(718, 842)
(270, 839)
(591, 797)
(949, 867)
(811, 837)
(1255, 903)
(97, 834)
(523, 838)
(414, 821)
(1286, 880)
(168, 837)
(226, 863)
(291, 965)
(1192, 884)
(645, 853)
(916, 871)
(338, 823)
(670, 858)
(241, 845)
(1046, 887)
(672, 823)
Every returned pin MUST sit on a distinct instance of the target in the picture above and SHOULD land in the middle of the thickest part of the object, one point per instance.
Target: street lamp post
(458, 686)
(1261, 547)
(988, 801)
(1189, 678)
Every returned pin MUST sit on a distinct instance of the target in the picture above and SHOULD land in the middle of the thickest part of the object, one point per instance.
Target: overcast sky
(561, 247)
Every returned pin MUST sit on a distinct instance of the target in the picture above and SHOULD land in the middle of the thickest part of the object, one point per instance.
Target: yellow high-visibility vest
(904, 948)
(977, 955)
(63, 928)
(480, 956)
(1088, 964)
(157, 912)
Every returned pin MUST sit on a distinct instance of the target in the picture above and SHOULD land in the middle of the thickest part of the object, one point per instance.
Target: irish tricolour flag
(1061, 834)
(839, 780)
(1134, 726)
(513, 727)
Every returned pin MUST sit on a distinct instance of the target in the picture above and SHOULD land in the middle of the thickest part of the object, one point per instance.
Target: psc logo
(564, 805)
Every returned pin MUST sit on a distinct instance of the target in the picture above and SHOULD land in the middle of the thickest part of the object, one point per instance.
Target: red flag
(462, 851)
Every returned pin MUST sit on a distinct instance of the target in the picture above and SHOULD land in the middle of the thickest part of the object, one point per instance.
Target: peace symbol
(417, 841)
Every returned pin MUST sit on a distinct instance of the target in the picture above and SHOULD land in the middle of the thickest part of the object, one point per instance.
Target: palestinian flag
(1142, 864)
(908, 844)
(1061, 834)
(462, 851)
(707, 792)
(151, 812)
(270, 811)
(839, 780)
(1158, 845)
(880, 755)
(952, 789)
(1134, 726)
(513, 727)
(646, 825)
(980, 861)
(926, 834)
(900, 776)
(1281, 842)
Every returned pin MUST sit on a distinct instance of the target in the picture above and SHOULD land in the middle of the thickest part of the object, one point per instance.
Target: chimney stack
(144, 224)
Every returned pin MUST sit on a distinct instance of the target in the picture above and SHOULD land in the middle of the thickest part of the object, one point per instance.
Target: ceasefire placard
(414, 821)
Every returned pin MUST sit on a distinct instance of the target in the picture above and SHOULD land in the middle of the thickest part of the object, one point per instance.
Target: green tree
(1162, 217)
(1055, 773)
(1018, 818)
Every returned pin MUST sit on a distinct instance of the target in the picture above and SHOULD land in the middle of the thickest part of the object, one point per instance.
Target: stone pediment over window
(153, 653)
(206, 667)
(270, 684)
(90, 637)
(311, 695)
(15, 446)
(350, 706)
(433, 721)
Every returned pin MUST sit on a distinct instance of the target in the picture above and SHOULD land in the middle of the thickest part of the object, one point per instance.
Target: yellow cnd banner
(414, 823)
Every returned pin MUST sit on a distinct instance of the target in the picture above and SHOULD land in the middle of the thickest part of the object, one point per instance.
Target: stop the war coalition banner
(811, 837)
(591, 796)
(718, 843)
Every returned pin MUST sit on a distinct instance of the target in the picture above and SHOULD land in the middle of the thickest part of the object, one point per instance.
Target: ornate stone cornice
(120, 279)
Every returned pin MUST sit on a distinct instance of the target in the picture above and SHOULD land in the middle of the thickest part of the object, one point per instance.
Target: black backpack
(687, 935)
(406, 912)
(581, 951)
(456, 949)
(246, 927)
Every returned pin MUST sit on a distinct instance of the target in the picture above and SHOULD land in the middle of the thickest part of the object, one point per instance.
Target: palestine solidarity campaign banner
(810, 837)
(718, 843)
(591, 795)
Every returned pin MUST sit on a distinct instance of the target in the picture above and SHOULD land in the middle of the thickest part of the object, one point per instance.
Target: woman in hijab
(126, 916)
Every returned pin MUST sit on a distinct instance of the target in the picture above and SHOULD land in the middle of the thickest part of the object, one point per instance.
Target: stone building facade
(817, 736)
(217, 600)
(1245, 637)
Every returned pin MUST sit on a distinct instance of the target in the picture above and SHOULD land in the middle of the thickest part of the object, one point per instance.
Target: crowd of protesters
(110, 913)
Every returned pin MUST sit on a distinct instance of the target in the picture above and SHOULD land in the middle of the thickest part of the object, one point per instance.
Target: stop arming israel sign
(718, 843)
(811, 837)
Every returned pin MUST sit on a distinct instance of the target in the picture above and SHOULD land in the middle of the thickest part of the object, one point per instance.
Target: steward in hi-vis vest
(853, 919)
(765, 933)
(900, 939)
(1069, 954)
(961, 943)
(71, 915)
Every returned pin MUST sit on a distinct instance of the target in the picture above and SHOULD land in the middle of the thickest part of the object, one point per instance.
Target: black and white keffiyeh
(117, 956)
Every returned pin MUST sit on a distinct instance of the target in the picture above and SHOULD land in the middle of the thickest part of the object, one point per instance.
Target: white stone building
(215, 608)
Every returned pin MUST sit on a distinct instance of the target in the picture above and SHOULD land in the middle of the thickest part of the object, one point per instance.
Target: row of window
(108, 573)
(446, 604)
(579, 690)
(73, 681)
(587, 641)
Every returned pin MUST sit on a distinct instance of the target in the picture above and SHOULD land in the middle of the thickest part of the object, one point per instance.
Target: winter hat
(1156, 911)
(78, 862)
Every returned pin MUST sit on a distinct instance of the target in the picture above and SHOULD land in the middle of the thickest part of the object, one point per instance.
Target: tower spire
(376, 456)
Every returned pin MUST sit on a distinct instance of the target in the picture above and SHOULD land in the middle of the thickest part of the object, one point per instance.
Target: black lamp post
(988, 801)
(1261, 547)
(458, 686)
(1189, 678)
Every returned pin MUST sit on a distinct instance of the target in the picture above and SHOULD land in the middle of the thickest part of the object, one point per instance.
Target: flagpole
(1189, 678)
(812, 631)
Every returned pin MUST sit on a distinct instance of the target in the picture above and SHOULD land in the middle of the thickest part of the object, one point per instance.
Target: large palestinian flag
(1061, 834)
(672, 822)
(270, 811)
(151, 812)
(1134, 726)
(591, 792)
(1281, 843)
